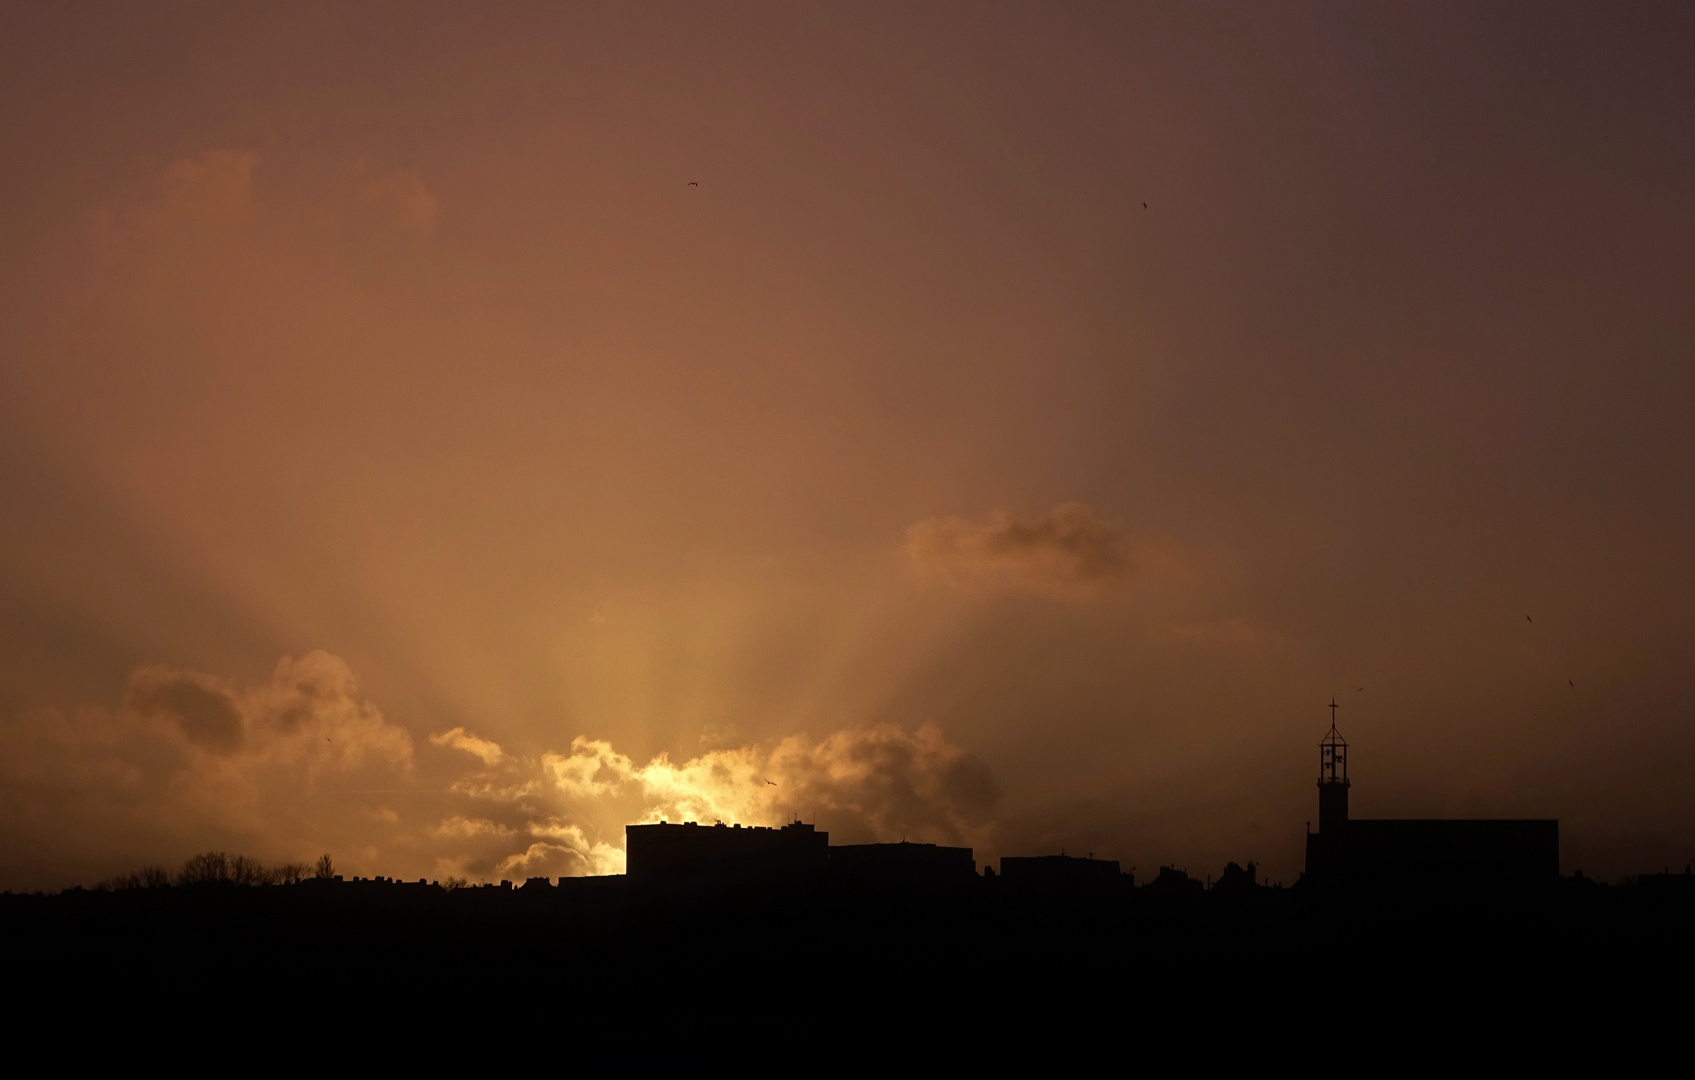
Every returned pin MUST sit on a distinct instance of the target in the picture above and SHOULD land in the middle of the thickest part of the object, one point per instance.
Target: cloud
(212, 193)
(460, 739)
(307, 714)
(570, 854)
(594, 857)
(1067, 551)
(197, 705)
(300, 764)
(459, 827)
(402, 198)
(871, 783)
(192, 761)
(565, 812)
(210, 189)
(882, 781)
(310, 712)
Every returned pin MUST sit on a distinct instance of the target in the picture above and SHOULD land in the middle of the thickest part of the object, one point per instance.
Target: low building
(1057, 870)
(902, 863)
(676, 852)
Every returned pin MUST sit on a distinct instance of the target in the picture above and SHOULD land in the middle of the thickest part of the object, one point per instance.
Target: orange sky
(402, 459)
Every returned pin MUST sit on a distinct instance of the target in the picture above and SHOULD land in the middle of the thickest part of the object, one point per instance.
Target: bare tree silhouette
(213, 867)
(245, 871)
(153, 877)
(323, 869)
(148, 877)
(292, 873)
(206, 868)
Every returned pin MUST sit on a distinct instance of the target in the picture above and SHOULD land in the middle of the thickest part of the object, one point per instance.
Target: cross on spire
(1333, 753)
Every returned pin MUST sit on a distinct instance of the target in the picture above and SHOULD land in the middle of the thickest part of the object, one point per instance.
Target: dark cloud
(882, 784)
(1067, 549)
(197, 704)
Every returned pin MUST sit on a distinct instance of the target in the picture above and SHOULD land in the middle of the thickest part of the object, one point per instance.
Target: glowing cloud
(460, 739)
(874, 783)
(300, 764)
(871, 783)
(459, 827)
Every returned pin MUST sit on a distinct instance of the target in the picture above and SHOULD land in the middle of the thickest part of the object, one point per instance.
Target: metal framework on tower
(1333, 754)
(1333, 780)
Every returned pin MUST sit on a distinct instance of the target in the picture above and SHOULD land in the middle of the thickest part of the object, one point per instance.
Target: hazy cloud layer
(217, 191)
(1237, 632)
(463, 377)
(209, 189)
(402, 198)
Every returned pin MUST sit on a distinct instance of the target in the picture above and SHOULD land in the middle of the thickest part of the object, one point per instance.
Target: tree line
(218, 868)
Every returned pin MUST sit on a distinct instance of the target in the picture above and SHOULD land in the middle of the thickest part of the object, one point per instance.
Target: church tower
(1332, 780)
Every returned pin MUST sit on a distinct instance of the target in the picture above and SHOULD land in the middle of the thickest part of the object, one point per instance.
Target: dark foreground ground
(1158, 960)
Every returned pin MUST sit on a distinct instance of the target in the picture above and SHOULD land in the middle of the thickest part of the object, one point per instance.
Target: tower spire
(1332, 778)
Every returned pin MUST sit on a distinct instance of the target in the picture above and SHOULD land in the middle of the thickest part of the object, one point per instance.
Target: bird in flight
(694, 183)
(1571, 684)
(773, 783)
(1144, 206)
(1527, 618)
(1359, 689)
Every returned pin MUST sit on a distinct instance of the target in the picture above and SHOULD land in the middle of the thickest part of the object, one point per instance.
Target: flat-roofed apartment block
(1058, 871)
(903, 863)
(688, 850)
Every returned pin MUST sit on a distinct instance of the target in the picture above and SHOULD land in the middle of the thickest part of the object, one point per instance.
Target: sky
(439, 435)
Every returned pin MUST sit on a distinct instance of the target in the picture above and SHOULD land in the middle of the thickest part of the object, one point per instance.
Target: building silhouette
(1391, 853)
(902, 864)
(1172, 883)
(1401, 852)
(1062, 871)
(678, 852)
